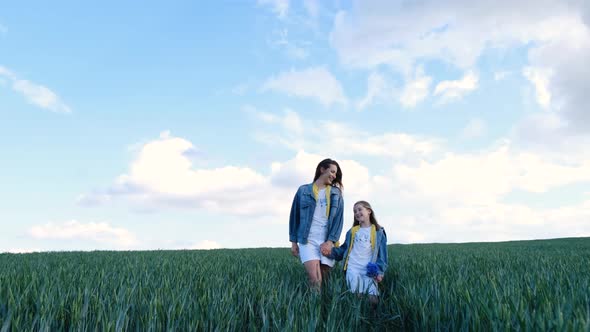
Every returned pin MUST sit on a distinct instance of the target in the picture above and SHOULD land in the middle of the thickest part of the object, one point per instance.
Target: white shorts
(359, 282)
(311, 251)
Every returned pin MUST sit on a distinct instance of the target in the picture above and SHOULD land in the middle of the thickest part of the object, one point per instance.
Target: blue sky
(191, 124)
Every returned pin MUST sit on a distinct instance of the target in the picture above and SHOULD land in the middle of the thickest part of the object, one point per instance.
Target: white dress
(356, 270)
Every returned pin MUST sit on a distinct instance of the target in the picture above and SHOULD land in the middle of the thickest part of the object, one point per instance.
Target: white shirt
(319, 224)
(361, 252)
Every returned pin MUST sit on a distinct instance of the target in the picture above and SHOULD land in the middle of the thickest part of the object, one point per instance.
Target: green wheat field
(520, 285)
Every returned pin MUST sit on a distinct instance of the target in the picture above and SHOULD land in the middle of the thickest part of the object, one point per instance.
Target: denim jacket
(378, 256)
(302, 214)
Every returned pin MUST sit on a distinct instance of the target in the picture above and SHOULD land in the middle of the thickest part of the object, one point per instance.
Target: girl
(315, 222)
(364, 252)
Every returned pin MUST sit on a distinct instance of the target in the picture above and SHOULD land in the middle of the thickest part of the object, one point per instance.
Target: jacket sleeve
(294, 218)
(338, 252)
(382, 255)
(336, 226)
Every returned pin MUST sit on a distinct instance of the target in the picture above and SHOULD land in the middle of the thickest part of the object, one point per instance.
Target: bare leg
(314, 274)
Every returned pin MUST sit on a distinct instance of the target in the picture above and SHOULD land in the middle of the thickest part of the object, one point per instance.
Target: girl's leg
(325, 270)
(374, 300)
(313, 273)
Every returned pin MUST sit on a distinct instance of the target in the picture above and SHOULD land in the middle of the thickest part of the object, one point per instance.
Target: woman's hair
(326, 164)
(372, 217)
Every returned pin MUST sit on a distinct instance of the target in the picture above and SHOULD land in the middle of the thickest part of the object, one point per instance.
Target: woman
(315, 222)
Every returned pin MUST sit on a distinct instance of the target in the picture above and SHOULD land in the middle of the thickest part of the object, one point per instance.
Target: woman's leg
(314, 274)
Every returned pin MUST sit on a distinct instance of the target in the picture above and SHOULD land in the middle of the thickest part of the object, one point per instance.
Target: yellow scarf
(316, 191)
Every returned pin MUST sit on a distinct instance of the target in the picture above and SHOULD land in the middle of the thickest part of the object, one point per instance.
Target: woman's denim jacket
(342, 252)
(302, 214)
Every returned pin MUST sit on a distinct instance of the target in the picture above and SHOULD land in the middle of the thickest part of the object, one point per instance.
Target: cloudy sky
(191, 124)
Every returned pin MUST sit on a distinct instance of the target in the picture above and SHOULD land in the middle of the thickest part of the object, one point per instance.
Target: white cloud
(279, 7)
(240, 89)
(20, 250)
(290, 126)
(343, 140)
(35, 94)
(101, 233)
(204, 245)
(162, 176)
(312, 7)
(293, 122)
(401, 34)
(163, 166)
(349, 142)
(501, 75)
(7, 73)
(404, 35)
(41, 96)
(564, 70)
(296, 52)
(485, 176)
(452, 90)
(93, 199)
(265, 117)
(475, 128)
(540, 79)
(293, 49)
(316, 82)
(459, 197)
(425, 197)
(376, 88)
(501, 222)
(416, 89)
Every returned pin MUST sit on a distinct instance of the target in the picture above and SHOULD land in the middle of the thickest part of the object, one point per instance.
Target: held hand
(294, 249)
(379, 278)
(326, 248)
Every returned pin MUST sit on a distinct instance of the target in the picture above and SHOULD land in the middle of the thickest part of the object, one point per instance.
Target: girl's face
(362, 214)
(329, 174)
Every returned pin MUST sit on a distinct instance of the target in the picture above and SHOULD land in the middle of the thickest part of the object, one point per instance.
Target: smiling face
(328, 175)
(362, 215)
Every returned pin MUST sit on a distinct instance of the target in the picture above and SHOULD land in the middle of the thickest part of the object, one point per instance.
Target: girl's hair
(326, 164)
(372, 217)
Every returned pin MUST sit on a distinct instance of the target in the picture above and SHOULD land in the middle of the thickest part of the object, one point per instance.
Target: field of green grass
(522, 285)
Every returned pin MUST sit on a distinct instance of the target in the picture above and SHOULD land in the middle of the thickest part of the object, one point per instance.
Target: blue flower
(372, 270)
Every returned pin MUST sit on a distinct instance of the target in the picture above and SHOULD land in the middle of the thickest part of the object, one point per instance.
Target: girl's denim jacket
(378, 241)
(302, 214)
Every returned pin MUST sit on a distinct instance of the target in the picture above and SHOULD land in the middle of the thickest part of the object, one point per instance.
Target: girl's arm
(338, 252)
(382, 255)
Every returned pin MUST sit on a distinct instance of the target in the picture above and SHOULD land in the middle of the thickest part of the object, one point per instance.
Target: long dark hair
(326, 164)
(372, 217)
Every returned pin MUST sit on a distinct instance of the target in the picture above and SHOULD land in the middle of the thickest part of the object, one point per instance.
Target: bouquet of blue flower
(372, 270)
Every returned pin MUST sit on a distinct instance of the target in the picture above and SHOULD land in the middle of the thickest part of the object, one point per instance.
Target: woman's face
(329, 174)
(362, 214)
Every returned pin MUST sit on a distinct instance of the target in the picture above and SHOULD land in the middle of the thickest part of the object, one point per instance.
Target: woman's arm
(294, 218)
(336, 226)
